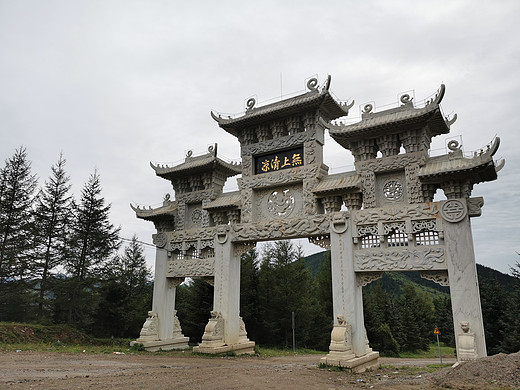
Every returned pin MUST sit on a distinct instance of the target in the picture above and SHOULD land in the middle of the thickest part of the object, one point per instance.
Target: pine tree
(126, 293)
(52, 226)
(93, 241)
(511, 340)
(285, 286)
(415, 317)
(17, 186)
(380, 319)
(249, 293)
(495, 303)
(194, 303)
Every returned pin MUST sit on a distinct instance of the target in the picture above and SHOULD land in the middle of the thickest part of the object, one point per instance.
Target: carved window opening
(427, 238)
(370, 241)
(193, 254)
(397, 238)
(208, 253)
(178, 255)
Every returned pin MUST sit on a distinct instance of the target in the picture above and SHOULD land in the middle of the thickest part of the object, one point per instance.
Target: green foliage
(52, 219)
(194, 303)
(17, 186)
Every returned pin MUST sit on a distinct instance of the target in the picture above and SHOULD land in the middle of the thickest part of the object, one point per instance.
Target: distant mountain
(393, 282)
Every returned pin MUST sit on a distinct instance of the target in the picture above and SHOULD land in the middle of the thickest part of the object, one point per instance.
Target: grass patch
(273, 351)
(431, 353)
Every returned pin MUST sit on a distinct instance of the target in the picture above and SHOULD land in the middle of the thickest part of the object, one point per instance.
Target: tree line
(59, 256)
(399, 317)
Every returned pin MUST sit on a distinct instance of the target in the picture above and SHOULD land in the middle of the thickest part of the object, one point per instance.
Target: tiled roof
(295, 105)
(338, 182)
(166, 211)
(198, 164)
(230, 199)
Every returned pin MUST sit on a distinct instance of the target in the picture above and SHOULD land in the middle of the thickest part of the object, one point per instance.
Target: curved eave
(395, 122)
(194, 167)
(162, 213)
(475, 172)
(226, 201)
(339, 183)
(329, 107)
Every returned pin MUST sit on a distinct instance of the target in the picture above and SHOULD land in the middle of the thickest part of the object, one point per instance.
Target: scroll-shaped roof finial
(312, 84)
(250, 104)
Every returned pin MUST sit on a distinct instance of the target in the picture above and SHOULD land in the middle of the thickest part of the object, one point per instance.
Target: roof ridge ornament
(250, 104)
(312, 84)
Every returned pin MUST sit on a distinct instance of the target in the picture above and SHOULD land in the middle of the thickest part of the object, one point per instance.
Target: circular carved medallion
(160, 240)
(453, 210)
(393, 190)
(196, 216)
(280, 203)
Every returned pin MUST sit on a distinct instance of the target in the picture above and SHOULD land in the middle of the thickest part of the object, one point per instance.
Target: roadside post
(437, 333)
(293, 338)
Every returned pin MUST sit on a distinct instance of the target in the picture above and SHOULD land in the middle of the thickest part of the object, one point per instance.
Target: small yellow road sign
(436, 331)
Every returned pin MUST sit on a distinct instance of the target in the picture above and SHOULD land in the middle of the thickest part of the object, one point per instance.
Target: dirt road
(41, 370)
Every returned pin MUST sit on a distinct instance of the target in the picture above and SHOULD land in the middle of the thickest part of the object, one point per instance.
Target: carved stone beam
(439, 277)
(174, 282)
(365, 278)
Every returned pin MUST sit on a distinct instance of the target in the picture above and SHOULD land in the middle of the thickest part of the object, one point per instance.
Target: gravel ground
(46, 370)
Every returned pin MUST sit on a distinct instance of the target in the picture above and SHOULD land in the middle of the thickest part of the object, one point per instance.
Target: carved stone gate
(379, 217)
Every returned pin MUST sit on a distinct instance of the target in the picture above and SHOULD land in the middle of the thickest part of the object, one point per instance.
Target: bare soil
(47, 370)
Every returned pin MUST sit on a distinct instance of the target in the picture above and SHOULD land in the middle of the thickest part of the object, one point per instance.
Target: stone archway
(391, 222)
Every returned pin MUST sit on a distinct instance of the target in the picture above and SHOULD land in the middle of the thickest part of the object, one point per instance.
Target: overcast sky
(117, 84)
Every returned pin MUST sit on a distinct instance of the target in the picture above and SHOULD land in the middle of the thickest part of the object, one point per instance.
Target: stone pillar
(462, 272)
(161, 331)
(222, 333)
(348, 346)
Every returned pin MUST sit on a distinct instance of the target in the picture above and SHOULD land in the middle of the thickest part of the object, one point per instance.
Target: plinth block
(239, 349)
(163, 345)
(363, 363)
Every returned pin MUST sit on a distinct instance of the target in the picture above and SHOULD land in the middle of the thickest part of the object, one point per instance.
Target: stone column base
(352, 363)
(240, 348)
(163, 345)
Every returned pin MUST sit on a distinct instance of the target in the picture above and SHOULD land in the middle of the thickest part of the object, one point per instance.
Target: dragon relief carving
(190, 268)
(286, 228)
(398, 212)
(393, 163)
(278, 143)
(400, 260)
(413, 184)
(280, 177)
(368, 184)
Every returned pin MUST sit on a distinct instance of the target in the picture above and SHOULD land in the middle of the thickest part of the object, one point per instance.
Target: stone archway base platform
(239, 349)
(163, 345)
(353, 364)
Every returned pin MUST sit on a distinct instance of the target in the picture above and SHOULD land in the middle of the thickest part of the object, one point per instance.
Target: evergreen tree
(511, 340)
(194, 302)
(444, 320)
(415, 317)
(380, 320)
(93, 241)
(249, 293)
(285, 286)
(126, 294)
(495, 303)
(324, 314)
(17, 186)
(51, 227)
